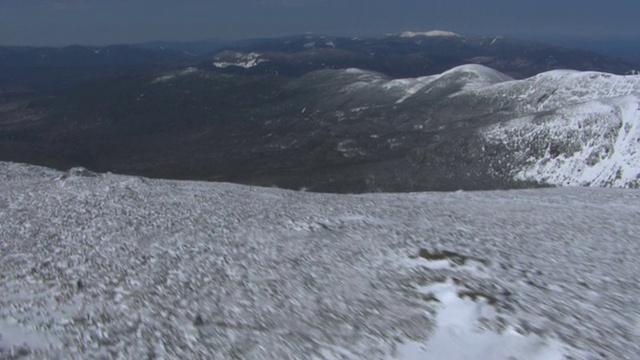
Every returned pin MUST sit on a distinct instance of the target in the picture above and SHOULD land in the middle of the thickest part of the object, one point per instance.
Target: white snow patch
(459, 335)
(432, 33)
(238, 59)
(174, 75)
(354, 71)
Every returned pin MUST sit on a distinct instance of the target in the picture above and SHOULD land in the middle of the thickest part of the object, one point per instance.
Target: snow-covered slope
(113, 266)
(557, 128)
(560, 88)
(368, 88)
(466, 77)
(596, 143)
(572, 128)
(485, 88)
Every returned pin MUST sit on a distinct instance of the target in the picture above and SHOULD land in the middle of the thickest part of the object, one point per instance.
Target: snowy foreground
(107, 266)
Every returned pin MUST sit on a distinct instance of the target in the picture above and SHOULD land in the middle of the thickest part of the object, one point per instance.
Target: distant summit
(406, 55)
(233, 58)
(432, 33)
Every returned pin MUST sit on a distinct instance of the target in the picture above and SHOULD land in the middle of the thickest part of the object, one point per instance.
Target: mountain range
(411, 55)
(37, 69)
(100, 260)
(347, 130)
(333, 114)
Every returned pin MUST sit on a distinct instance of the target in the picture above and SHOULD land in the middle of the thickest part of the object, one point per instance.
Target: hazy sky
(62, 22)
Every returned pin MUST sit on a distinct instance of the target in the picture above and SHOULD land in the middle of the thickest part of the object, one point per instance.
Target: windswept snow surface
(102, 265)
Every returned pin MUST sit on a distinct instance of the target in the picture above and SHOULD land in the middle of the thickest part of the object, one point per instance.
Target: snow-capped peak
(473, 76)
(432, 33)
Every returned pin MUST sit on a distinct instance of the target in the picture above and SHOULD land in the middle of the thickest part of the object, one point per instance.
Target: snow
(174, 75)
(103, 265)
(561, 128)
(560, 88)
(495, 39)
(12, 335)
(432, 33)
(472, 75)
(238, 59)
(477, 76)
(541, 93)
(409, 86)
(458, 336)
(603, 135)
(588, 122)
(467, 327)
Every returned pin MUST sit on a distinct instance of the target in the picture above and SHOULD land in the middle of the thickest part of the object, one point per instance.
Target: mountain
(410, 55)
(192, 48)
(102, 265)
(348, 130)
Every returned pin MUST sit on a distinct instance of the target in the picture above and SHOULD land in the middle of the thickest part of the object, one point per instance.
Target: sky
(100, 22)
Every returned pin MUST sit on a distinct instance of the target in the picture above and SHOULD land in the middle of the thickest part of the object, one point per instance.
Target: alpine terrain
(110, 266)
(346, 130)
(420, 196)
